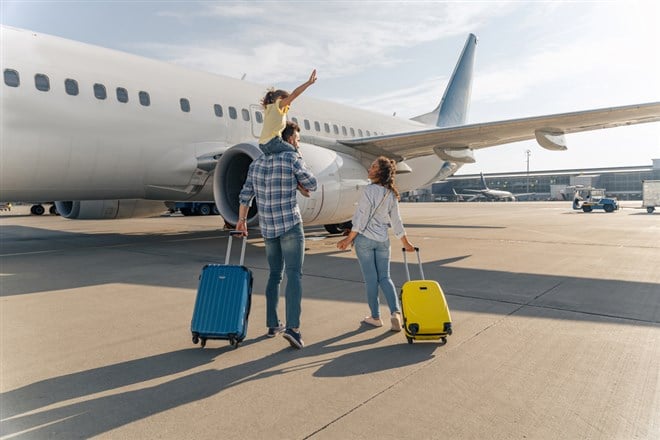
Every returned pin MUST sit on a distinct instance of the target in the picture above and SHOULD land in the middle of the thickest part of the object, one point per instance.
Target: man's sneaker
(274, 331)
(294, 338)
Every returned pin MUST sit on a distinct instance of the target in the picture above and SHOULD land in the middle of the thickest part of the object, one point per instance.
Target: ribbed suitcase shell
(425, 311)
(223, 302)
(424, 307)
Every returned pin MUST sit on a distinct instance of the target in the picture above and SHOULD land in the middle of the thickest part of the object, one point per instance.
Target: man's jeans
(374, 259)
(285, 253)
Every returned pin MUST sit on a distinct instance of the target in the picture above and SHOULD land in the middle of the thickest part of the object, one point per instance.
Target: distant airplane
(107, 134)
(494, 194)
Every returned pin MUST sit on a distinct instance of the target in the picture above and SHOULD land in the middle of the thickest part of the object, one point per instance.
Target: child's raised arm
(298, 90)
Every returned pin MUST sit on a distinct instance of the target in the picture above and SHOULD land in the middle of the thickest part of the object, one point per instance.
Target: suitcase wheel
(234, 342)
(444, 340)
(203, 342)
(195, 338)
(410, 340)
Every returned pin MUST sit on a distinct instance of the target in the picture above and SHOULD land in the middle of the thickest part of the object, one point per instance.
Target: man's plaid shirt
(273, 180)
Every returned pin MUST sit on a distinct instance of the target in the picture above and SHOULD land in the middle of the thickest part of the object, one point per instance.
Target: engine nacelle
(340, 180)
(109, 209)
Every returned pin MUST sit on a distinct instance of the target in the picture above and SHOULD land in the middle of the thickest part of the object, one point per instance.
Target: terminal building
(624, 183)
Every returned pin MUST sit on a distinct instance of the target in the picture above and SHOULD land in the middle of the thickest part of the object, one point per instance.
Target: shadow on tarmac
(133, 259)
(102, 414)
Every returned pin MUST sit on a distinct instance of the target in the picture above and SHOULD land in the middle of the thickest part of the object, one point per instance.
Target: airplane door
(257, 118)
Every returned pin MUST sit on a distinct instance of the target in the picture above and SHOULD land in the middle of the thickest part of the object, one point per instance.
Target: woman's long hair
(386, 171)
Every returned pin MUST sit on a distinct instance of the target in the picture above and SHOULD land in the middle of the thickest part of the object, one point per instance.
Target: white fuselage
(59, 146)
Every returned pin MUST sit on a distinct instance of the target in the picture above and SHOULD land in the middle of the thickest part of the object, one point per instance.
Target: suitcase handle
(419, 261)
(231, 237)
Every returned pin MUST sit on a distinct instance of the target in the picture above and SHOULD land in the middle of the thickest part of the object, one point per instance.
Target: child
(276, 104)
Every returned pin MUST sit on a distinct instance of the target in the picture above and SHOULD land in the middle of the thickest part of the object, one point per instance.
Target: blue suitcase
(223, 301)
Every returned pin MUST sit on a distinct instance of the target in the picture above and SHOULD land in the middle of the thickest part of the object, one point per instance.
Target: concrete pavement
(556, 332)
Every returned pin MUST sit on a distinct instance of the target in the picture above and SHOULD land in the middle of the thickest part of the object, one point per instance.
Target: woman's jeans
(285, 253)
(374, 259)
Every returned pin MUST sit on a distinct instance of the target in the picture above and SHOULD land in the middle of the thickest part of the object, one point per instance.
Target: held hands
(303, 191)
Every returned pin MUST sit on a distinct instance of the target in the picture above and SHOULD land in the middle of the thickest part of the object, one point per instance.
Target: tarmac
(556, 317)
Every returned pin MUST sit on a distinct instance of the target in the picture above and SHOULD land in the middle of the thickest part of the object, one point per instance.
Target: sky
(532, 59)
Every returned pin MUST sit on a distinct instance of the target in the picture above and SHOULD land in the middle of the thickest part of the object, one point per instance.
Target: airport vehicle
(223, 301)
(650, 195)
(587, 199)
(424, 307)
(117, 134)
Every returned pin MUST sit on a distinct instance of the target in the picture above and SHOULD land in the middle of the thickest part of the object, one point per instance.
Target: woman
(378, 207)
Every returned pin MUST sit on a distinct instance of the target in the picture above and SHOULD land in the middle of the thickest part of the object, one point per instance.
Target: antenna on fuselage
(243, 77)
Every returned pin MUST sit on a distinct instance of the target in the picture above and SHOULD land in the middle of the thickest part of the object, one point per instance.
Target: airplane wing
(548, 130)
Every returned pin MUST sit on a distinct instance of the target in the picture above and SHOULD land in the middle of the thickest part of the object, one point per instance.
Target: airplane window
(145, 100)
(368, 133)
(232, 113)
(317, 126)
(335, 128)
(11, 78)
(352, 131)
(71, 86)
(99, 91)
(259, 117)
(246, 114)
(218, 110)
(185, 105)
(122, 94)
(327, 127)
(343, 131)
(360, 132)
(42, 82)
(306, 122)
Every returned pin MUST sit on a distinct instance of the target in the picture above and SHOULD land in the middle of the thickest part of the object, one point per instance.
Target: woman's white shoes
(396, 322)
(374, 322)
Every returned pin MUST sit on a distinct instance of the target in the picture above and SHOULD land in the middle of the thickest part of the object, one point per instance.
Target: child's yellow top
(274, 121)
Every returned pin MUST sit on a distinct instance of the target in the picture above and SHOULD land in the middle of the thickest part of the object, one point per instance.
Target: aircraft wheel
(37, 210)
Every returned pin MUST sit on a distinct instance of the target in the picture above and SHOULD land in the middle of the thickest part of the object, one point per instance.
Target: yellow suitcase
(425, 311)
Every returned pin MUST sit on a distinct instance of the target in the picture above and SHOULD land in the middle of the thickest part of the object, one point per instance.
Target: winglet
(453, 107)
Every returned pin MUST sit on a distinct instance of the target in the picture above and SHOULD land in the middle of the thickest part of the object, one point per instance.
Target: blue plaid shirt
(273, 180)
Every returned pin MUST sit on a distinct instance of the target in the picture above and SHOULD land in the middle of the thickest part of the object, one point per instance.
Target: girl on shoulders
(276, 105)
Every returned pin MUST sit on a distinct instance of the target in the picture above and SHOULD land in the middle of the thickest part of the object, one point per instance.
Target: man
(273, 179)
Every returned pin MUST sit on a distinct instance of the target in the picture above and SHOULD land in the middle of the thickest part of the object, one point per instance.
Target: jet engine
(109, 209)
(340, 178)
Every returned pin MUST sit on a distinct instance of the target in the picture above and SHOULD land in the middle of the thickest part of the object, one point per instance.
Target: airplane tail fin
(483, 181)
(453, 107)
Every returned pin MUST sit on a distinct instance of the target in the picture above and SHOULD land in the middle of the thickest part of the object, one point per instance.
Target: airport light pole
(527, 152)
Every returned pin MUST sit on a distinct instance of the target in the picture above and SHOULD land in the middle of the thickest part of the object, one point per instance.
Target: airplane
(106, 134)
(494, 194)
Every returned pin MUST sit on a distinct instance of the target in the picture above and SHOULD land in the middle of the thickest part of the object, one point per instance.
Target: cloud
(278, 40)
